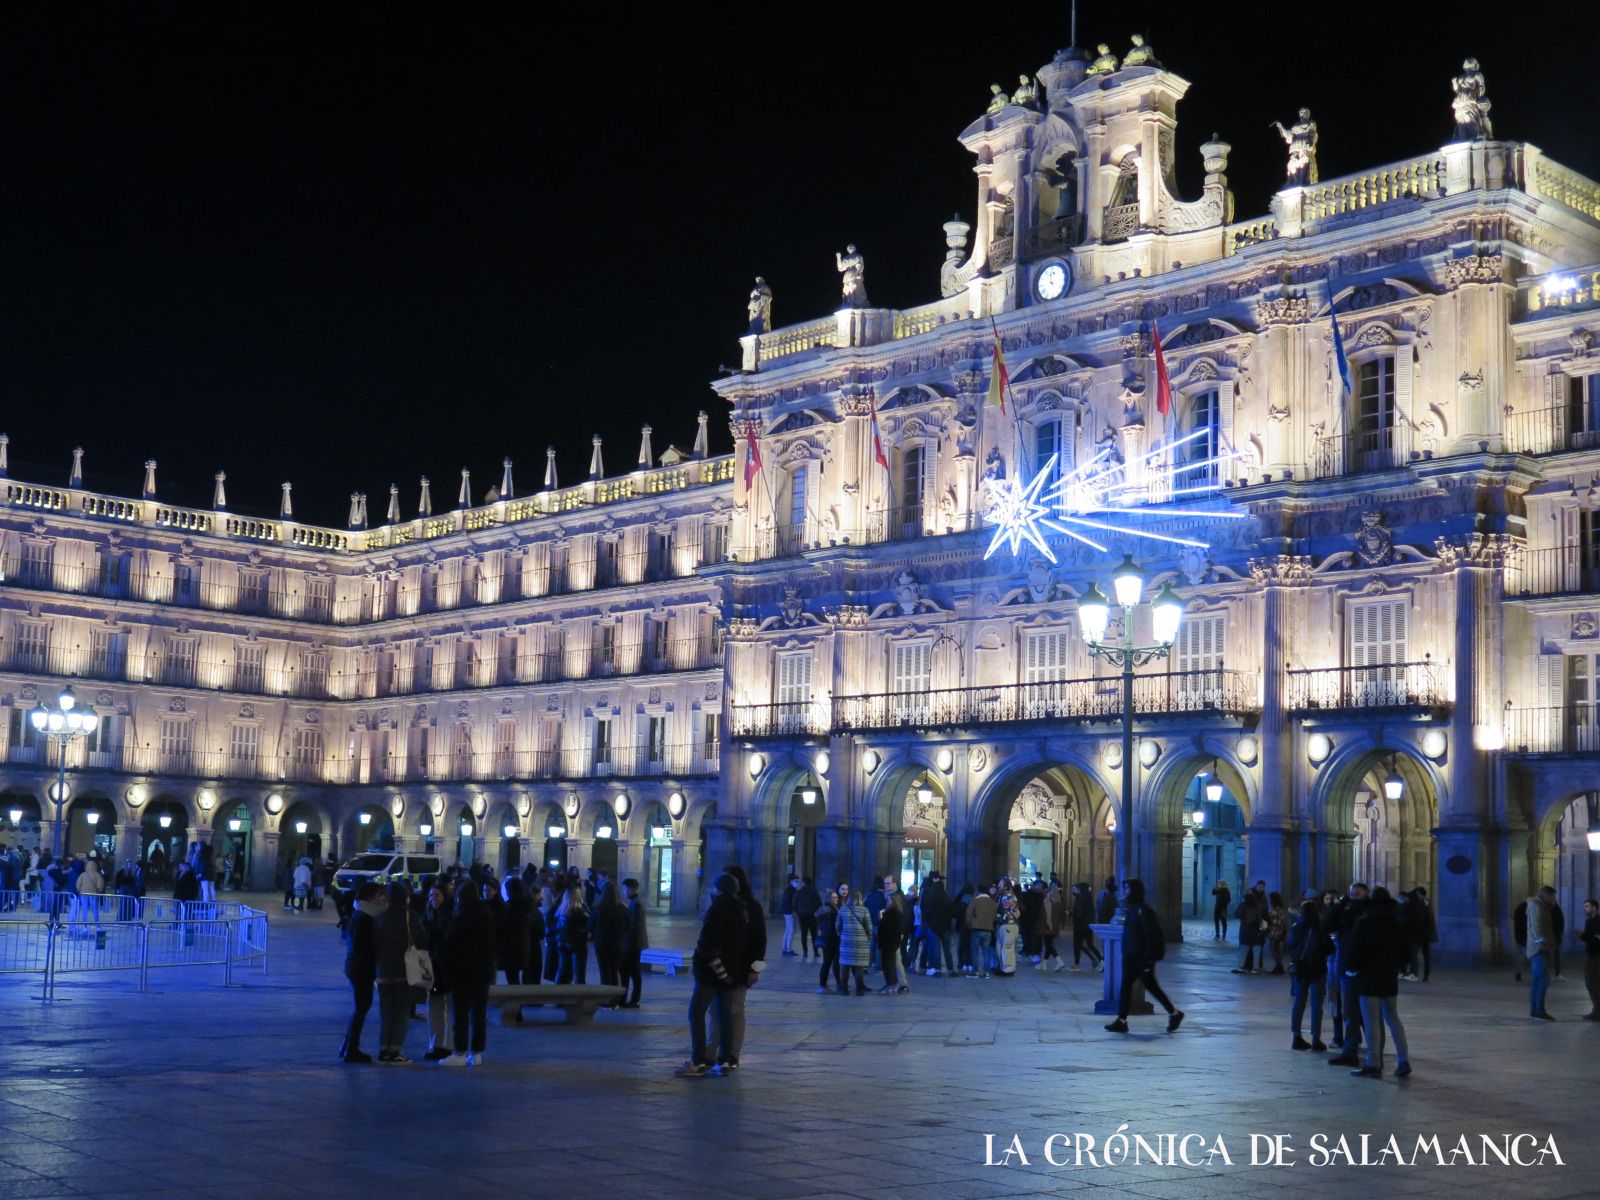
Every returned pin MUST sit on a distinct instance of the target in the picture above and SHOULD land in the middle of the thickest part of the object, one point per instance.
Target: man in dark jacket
(806, 902)
(751, 963)
(635, 940)
(716, 958)
(1341, 922)
(1082, 935)
(469, 962)
(1105, 906)
(1221, 903)
(361, 965)
(875, 901)
(1143, 945)
(938, 940)
(1309, 948)
(891, 929)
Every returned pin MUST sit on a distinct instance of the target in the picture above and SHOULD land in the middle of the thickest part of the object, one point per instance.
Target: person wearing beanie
(1143, 945)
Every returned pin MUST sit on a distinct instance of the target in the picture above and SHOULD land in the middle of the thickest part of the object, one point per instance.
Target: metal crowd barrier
(52, 934)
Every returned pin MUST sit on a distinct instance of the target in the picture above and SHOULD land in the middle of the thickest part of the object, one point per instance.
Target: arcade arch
(1379, 809)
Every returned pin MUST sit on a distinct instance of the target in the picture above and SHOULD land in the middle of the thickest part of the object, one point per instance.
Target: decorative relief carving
(1281, 569)
(1475, 550)
(1474, 268)
(1283, 310)
(1584, 625)
(1375, 541)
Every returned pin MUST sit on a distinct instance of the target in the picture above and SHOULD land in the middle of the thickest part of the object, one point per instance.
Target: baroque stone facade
(1390, 587)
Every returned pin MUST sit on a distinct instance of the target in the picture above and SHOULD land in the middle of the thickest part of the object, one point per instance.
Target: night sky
(350, 244)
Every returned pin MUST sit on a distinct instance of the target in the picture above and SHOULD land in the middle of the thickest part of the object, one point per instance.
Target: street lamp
(1094, 611)
(63, 725)
(1214, 785)
(1393, 786)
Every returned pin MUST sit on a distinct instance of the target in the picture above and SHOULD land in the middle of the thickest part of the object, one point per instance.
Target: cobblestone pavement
(196, 1090)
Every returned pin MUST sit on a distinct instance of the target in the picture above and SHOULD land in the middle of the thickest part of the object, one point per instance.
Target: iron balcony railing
(1366, 450)
(1172, 693)
(1387, 685)
(1572, 729)
(800, 718)
(1551, 430)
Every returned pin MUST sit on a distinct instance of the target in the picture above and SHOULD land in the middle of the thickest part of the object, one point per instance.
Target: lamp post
(63, 725)
(1094, 610)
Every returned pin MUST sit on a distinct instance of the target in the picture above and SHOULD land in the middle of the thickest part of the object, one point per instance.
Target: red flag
(1163, 384)
(752, 452)
(877, 437)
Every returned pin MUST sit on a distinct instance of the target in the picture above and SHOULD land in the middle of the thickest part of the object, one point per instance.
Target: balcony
(1411, 685)
(1557, 571)
(1361, 452)
(1574, 729)
(802, 718)
(1099, 699)
(1549, 431)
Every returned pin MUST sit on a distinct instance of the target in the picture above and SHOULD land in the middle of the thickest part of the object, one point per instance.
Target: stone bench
(577, 1000)
(670, 961)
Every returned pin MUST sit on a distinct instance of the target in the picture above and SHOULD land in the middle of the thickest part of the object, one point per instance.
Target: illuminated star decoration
(1098, 495)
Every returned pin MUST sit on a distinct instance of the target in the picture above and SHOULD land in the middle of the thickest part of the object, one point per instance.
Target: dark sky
(347, 244)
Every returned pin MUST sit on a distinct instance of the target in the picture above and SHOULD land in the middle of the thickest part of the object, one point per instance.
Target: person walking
(1252, 914)
(1540, 937)
(1378, 951)
(361, 965)
(1050, 923)
(826, 919)
(1030, 915)
(469, 962)
(786, 911)
(716, 955)
(1277, 932)
(1143, 945)
(1082, 934)
(1422, 930)
(1221, 905)
(395, 930)
(635, 941)
(806, 902)
(855, 936)
(1590, 937)
(1309, 948)
(302, 884)
(891, 930)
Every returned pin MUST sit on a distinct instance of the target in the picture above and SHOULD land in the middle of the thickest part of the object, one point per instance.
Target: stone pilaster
(1274, 832)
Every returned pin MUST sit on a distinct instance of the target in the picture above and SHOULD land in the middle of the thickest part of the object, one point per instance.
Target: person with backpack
(1309, 948)
(1143, 945)
(1378, 950)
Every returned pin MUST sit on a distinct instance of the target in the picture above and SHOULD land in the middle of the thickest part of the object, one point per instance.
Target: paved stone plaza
(200, 1091)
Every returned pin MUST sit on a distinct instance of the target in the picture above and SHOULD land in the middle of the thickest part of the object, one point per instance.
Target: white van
(382, 866)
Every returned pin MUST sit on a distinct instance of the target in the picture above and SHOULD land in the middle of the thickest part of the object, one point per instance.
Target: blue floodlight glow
(1023, 512)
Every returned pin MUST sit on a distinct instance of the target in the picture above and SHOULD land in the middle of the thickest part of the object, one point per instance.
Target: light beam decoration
(1100, 496)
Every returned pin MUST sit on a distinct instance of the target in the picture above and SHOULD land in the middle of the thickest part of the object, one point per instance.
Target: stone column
(1273, 831)
(1483, 312)
(1111, 983)
(1278, 373)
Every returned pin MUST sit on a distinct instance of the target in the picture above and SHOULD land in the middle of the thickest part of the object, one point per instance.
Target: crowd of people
(444, 943)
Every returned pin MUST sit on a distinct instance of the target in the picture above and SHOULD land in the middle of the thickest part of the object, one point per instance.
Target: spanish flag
(752, 450)
(999, 377)
(1163, 380)
(877, 437)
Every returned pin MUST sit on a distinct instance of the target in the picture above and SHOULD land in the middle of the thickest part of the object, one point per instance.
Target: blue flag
(1339, 358)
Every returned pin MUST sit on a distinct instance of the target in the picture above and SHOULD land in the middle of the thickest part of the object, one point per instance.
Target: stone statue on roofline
(1470, 105)
(853, 271)
(999, 99)
(1104, 62)
(1302, 140)
(760, 307)
(1027, 93)
(1141, 55)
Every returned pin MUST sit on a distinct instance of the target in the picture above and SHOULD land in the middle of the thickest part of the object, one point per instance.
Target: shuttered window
(910, 681)
(1044, 668)
(1377, 639)
(794, 690)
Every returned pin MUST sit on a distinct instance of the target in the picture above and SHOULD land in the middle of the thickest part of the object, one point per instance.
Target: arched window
(915, 467)
(1049, 442)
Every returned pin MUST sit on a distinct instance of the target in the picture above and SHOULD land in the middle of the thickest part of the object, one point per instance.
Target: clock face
(1052, 281)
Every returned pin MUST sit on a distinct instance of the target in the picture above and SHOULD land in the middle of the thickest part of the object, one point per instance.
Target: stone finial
(702, 439)
(393, 515)
(286, 505)
(425, 501)
(358, 511)
(219, 491)
(550, 483)
(149, 479)
(647, 458)
(597, 467)
(75, 480)
(505, 479)
(464, 496)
